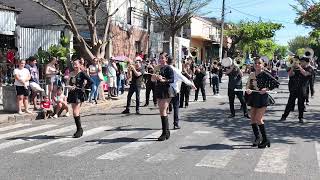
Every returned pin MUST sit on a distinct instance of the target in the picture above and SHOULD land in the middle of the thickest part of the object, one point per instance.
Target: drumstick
(270, 92)
(76, 87)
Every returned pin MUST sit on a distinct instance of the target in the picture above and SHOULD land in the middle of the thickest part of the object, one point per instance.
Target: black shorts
(22, 91)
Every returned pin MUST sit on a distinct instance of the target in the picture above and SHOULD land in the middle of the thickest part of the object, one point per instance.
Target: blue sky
(278, 11)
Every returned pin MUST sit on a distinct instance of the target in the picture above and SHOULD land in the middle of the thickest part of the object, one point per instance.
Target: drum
(226, 62)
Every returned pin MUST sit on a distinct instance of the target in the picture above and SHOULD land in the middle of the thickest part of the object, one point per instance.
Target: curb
(107, 104)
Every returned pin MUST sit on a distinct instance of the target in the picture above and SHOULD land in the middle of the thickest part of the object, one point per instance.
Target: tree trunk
(173, 45)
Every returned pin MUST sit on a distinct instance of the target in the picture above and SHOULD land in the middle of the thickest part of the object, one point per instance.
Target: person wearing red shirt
(45, 106)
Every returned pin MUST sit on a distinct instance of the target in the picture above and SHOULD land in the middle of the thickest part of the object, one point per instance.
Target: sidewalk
(86, 107)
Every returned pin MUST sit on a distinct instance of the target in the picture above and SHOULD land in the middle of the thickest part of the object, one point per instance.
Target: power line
(248, 4)
(259, 17)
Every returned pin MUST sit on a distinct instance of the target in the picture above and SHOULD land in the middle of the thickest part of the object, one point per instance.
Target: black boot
(79, 131)
(256, 135)
(164, 130)
(167, 127)
(265, 142)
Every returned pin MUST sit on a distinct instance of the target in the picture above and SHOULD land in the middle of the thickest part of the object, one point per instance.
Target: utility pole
(222, 29)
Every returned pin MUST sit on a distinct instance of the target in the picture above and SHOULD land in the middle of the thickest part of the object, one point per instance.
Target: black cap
(306, 59)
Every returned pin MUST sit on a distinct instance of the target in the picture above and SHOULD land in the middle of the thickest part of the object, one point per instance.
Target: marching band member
(76, 94)
(262, 81)
(235, 82)
(300, 76)
(164, 92)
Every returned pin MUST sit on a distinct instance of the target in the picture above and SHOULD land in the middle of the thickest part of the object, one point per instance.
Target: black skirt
(258, 100)
(76, 96)
(164, 92)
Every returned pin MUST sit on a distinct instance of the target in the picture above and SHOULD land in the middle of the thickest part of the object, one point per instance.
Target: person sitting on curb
(45, 106)
(61, 103)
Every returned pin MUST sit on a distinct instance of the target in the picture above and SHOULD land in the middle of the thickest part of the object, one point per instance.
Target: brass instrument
(309, 53)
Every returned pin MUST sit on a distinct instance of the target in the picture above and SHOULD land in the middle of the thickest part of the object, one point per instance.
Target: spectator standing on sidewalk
(51, 72)
(112, 77)
(34, 81)
(150, 85)
(22, 77)
(134, 72)
(94, 70)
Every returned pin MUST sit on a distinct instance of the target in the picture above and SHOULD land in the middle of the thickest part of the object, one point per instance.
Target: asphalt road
(209, 145)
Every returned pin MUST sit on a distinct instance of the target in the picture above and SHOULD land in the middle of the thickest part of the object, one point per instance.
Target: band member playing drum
(235, 82)
(259, 82)
(76, 94)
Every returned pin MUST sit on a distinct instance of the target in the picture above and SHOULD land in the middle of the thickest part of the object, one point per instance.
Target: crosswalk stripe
(93, 145)
(274, 160)
(220, 157)
(133, 147)
(41, 147)
(13, 127)
(171, 152)
(31, 138)
(317, 145)
(25, 131)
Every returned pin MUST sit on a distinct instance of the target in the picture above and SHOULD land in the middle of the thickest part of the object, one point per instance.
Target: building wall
(199, 45)
(123, 42)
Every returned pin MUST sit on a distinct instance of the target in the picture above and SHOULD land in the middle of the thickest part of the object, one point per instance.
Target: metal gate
(29, 40)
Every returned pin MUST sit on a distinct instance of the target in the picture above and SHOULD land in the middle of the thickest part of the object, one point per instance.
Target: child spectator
(61, 103)
(45, 106)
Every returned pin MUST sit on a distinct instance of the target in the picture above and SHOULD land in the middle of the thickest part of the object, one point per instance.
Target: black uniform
(185, 91)
(78, 94)
(199, 82)
(163, 89)
(150, 86)
(258, 82)
(311, 85)
(215, 79)
(135, 87)
(298, 85)
(235, 82)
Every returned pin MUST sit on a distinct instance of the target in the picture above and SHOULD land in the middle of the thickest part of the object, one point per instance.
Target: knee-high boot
(265, 142)
(165, 129)
(256, 135)
(79, 131)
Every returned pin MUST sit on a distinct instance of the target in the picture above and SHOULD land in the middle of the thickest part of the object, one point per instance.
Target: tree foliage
(298, 43)
(308, 13)
(95, 14)
(246, 36)
(173, 14)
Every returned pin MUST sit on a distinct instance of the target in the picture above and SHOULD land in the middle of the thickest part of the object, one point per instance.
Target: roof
(8, 8)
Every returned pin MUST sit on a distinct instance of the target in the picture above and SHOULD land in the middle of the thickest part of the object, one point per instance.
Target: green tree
(246, 35)
(266, 47)
(281, 51)
(298, 43)
(308, 13)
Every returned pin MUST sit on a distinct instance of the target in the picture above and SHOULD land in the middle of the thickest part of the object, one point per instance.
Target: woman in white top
(94, 71)
(51, 72)
(22, 77)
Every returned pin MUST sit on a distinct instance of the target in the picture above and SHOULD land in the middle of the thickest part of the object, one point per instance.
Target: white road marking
(317, 144)
(220, 157)
(274, 160)
(13, 127)
(25, 131)
(133, 147)
(31, 138)
(41, 147)
(93, 145)
(172, 152)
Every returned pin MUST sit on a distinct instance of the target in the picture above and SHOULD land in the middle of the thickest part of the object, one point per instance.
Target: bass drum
(226, 62)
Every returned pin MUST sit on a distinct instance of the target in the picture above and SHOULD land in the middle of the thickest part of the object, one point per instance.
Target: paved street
(209, 145)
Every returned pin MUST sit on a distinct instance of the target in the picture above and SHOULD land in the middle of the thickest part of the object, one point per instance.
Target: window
(129, 13)
(145, 21)
(137, 46)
